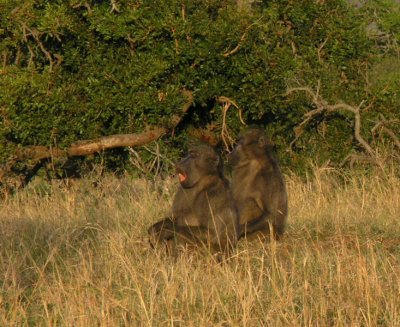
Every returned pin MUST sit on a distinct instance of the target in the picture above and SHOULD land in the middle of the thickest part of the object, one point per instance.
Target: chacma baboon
(258, 186)
(203, 211)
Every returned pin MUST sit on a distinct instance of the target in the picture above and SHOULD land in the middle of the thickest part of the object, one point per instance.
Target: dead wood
(87, 147)
(322, 106)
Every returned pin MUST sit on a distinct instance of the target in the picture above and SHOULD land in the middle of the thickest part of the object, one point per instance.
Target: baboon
(203, 211)
(258, 187)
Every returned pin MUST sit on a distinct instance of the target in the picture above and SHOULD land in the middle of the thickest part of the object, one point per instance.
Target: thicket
(79, 70)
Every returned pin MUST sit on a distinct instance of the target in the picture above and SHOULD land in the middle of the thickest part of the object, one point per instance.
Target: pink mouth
(182, 177)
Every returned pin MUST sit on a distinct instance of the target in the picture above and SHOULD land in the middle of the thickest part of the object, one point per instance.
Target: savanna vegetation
(75, 256)
(113, 92)
(93, 77)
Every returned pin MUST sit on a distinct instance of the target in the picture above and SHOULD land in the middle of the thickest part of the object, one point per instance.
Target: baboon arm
(163, 230)
(167, 229)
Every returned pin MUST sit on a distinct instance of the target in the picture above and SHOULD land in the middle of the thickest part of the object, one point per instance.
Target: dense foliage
(75, 70)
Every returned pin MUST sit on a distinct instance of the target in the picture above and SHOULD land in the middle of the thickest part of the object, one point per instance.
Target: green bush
(75, 70)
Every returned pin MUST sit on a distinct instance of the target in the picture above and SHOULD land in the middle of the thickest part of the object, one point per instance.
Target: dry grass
(74, 257)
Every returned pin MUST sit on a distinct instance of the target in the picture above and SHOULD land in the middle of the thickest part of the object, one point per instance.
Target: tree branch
(85, 147)
(82, 148)
(323, 106)
(114, 6)
(383, 125)
(242, 39)
(225, 136)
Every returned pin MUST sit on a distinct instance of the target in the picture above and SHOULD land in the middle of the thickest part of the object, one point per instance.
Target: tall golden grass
(76, 256)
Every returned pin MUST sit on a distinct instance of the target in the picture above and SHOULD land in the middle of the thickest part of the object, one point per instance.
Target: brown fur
(203, 210)
(258, 187)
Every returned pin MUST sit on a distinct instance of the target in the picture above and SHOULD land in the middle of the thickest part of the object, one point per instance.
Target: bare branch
(322, 106)
(114, 6)
(31, 56)
(36, 36)
(183, 11)
(353, 158)
(319, 51)
(86, 5)
(85, 147)
(242, 39)
(236, 49)
(225, 136)
(383, 125)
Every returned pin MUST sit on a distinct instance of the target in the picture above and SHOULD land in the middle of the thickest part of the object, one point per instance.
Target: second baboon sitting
(258, 187)
(203, 210)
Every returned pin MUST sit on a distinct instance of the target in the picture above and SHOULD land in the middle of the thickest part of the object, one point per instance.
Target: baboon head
(200, 161)
(253, 144)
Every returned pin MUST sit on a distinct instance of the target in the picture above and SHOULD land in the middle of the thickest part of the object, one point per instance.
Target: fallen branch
(86, 147)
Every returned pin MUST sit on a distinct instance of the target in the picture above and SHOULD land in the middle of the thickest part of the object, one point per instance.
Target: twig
(137, 160)
(235, 49)
(183, 11)
(114, 6)
(36, 36)
(86, 5)
(17, 60)
(242, 39)
(383, 125)
(321, 46)
(156, 162)
(356, 157)
(173, 30)
(31, 56)
(225, 136)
